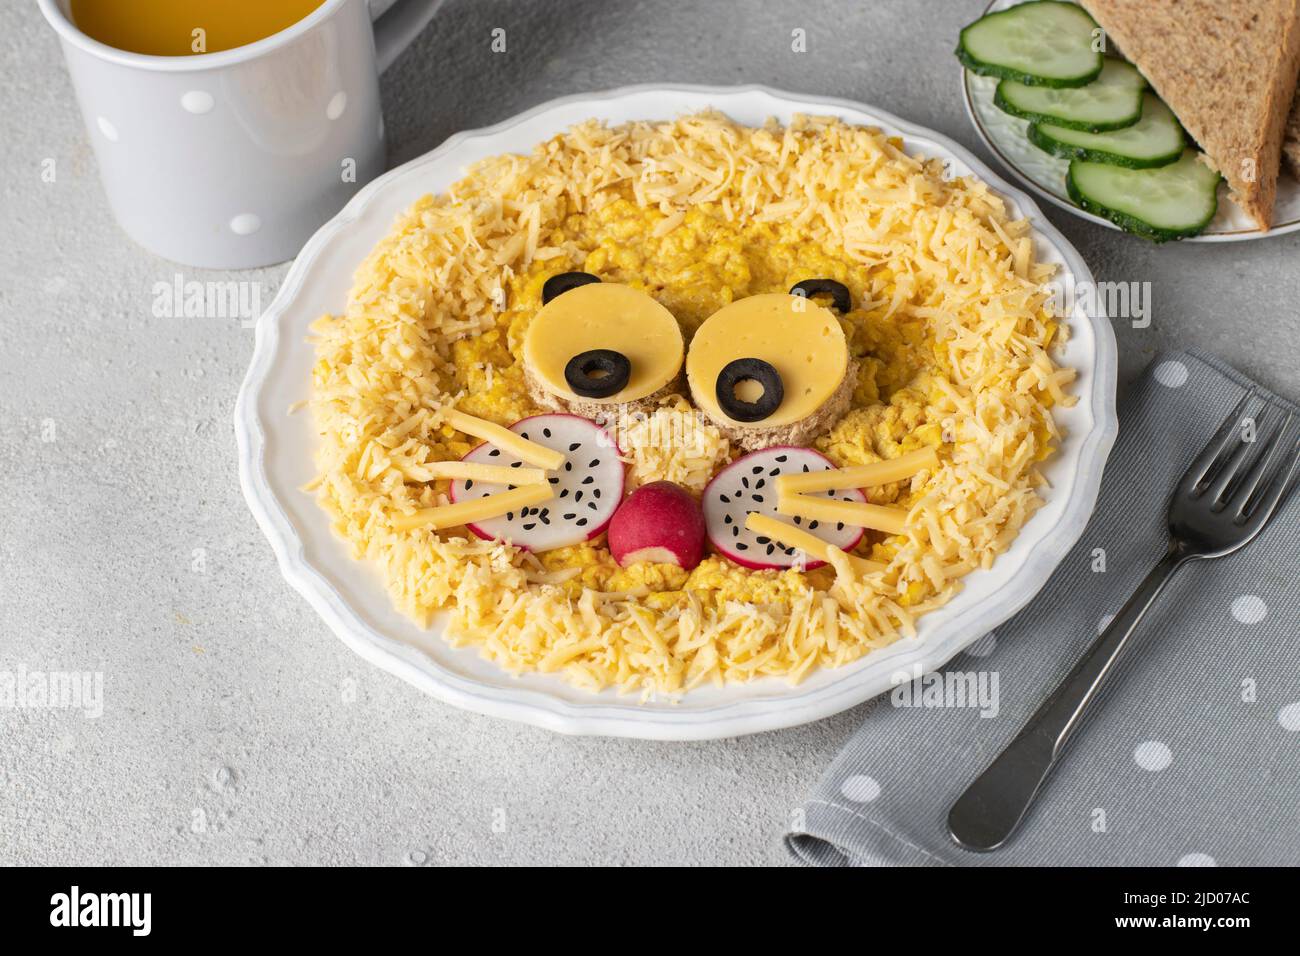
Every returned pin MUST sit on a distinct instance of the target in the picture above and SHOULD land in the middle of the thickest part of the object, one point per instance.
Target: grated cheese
(672, 443)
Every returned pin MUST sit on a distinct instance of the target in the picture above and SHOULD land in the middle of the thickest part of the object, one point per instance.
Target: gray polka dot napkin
(1192, 755)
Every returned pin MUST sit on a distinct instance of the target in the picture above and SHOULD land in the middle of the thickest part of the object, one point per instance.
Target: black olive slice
(562, 283)
(839, 293)
(749, 370)
(598, 373)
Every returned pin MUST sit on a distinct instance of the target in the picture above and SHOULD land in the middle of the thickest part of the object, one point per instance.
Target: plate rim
(968, 100)
(727, 719)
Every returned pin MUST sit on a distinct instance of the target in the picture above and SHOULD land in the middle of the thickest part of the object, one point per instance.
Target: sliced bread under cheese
(1227, 68)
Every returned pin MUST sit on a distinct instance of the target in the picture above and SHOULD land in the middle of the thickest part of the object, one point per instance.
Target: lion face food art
(672, 403)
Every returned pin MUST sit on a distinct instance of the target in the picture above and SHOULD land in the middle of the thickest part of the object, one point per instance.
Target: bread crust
(800, 433)
(601, 412)
(1291, 138)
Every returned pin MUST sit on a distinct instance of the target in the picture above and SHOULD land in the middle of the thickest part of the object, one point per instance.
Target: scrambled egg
(695, 269)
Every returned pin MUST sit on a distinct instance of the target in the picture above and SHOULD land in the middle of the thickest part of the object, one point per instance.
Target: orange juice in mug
(228, 131)
(172, 28)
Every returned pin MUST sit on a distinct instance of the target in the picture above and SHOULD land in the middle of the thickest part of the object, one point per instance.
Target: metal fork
(1219, 506)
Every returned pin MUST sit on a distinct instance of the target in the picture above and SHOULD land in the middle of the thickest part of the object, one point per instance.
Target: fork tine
(1254, 478)
(1281, 480)
(1199, 468)
(1223, 483)
(1218, 488)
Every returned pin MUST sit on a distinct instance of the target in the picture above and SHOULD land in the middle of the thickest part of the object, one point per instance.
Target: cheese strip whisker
(490, 474)
(854, 513)
(859, 476)
(813, 546)
(477, 509)
(531, 452)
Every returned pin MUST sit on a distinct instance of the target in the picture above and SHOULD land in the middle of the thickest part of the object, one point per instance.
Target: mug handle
(398, 26)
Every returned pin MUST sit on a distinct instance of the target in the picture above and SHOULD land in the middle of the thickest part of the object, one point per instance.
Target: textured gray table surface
(235, 727)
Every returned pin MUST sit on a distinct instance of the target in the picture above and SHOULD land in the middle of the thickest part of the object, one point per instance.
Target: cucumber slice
(1171, 202)
(1111, 101)
(1157, 139)
(1040, 43)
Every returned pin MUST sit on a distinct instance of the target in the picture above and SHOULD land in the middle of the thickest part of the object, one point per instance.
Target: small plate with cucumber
(1083, 128)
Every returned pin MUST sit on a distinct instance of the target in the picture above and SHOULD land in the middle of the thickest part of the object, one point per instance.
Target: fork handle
(986, 815)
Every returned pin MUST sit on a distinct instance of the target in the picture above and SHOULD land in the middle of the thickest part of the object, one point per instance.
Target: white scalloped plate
(276, 447)
(1045, 174)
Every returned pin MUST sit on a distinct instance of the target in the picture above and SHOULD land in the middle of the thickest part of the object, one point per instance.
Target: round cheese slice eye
(799, 338)
(604, 317)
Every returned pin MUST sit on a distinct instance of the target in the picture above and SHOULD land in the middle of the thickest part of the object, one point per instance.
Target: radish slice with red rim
(588, 488)
(749, 484)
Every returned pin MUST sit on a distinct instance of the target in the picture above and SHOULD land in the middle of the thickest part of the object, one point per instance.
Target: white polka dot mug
(232, 159)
